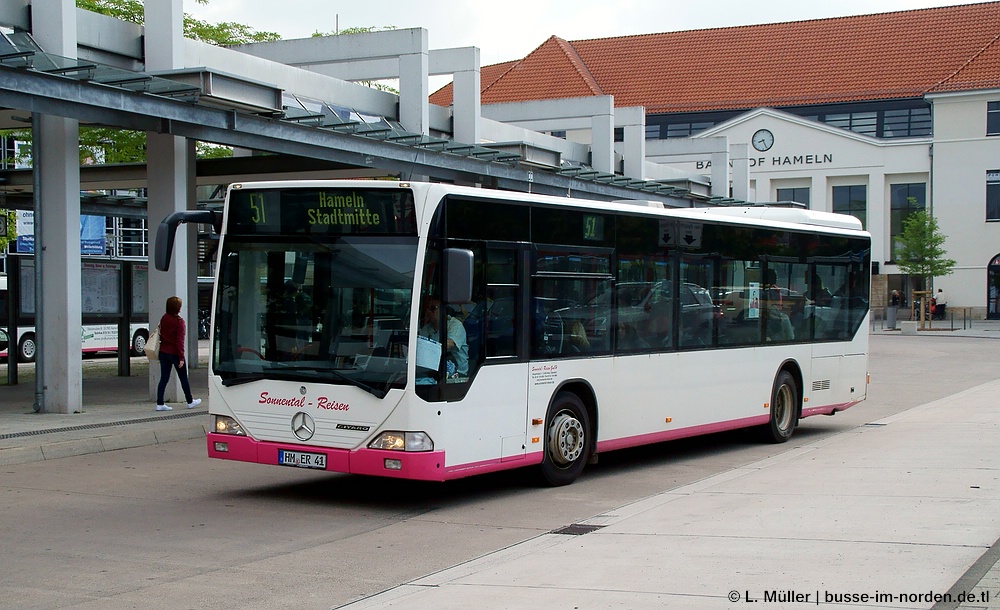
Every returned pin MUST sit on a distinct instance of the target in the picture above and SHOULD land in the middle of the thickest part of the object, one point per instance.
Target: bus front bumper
(423, 465)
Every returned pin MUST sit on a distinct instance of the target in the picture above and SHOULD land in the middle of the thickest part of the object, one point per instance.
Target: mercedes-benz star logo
(303, 426)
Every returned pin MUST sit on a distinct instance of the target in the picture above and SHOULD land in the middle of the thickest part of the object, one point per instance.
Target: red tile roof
(867, 57)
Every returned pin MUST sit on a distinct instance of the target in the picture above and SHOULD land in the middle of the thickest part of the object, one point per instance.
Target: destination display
(323, 211)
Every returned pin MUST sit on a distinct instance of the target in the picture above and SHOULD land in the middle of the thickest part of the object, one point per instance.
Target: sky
(511, 29)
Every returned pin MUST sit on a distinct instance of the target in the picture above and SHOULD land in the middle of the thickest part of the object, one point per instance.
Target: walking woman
(172, 334)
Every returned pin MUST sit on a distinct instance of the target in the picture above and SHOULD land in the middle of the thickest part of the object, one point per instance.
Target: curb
(55, 449)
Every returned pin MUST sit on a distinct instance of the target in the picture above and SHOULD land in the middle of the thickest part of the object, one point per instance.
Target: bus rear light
(402, 441)
(227, 425)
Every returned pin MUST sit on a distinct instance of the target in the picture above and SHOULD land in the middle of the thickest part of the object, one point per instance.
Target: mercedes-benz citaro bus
(432, 332)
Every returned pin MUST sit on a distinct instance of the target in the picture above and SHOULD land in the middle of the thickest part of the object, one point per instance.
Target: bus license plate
(301, 459)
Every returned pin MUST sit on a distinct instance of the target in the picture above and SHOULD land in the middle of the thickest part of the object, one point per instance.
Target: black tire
(784, 409)
(26, 348)
(139, 343)
(568, 440)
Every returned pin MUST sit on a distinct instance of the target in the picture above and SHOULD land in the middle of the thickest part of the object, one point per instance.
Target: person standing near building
(893, 309)
(940, 302)
(173, 332)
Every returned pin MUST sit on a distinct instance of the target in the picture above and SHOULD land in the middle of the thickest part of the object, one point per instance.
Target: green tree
(225, 33)
(920, 251)
(11, 235)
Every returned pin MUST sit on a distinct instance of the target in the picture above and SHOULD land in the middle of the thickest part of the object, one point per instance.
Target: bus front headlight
(402, 441)
(227, 425)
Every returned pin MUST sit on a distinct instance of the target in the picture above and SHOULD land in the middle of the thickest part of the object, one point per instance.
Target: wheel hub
(783, 408)
(566, 439)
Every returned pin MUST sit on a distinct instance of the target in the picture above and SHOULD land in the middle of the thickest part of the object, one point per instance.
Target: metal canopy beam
(209, 171)
(54, 95)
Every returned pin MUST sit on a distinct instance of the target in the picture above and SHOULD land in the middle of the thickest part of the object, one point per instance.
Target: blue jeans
(168, 362)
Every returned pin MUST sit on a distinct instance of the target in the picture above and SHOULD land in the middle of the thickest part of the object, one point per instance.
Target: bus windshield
(333, 309)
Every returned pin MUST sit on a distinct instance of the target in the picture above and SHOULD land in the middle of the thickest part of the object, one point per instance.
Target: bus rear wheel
(567, 440)
(26, 348)
(784, 409)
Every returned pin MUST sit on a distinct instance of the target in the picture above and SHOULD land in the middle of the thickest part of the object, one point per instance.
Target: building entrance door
(993, 289)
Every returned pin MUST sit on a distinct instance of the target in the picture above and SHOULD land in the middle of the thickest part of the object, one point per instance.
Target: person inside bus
(457, 348)
(172, 337)
(576, 337)
(661, 322)
(629, 339)
(778, 324)
(818, 294)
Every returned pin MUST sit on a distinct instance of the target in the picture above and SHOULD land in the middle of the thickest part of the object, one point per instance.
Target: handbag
(152, 348)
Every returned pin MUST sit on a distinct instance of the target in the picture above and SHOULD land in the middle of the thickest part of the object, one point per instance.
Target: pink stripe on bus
(430, 465)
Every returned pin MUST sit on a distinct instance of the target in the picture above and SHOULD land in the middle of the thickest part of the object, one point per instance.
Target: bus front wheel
(567, 440)
(784, 409)
(26, 348)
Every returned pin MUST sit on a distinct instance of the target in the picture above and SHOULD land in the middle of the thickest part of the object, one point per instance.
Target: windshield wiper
(238, 379)
(289, 374)
(269, 373)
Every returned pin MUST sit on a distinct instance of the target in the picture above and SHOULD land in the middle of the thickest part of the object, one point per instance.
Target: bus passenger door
(501, 339)
(493, 391)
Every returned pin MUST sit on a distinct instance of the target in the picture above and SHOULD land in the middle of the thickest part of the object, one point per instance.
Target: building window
(859, 122)
(993, 195)
(683, 130)
(799, 195)
(652, 132)
(906, 122)
(852, 200)
(905, 199)
(900, 119)
(993, 118)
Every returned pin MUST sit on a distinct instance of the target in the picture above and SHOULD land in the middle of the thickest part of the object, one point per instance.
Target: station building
(872, 115)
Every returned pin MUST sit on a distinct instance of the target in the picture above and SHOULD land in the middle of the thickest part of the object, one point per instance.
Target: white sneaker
(164, 408)
(194, 403)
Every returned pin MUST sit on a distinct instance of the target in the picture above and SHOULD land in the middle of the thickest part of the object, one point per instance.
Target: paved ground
(907, 512)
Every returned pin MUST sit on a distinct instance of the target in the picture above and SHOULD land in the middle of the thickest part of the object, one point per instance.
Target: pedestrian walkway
(988, 329)
(117, 413)
(888, 515)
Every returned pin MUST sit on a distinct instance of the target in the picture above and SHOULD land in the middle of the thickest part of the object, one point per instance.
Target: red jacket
(172, 331)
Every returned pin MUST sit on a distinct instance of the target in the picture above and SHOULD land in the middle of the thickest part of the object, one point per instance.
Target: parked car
(734, 302)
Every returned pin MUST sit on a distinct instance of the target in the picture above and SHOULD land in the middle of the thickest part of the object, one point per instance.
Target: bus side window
(697, 311)
(500, 305)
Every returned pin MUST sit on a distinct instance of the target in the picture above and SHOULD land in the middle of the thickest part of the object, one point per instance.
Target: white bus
(566, 328)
